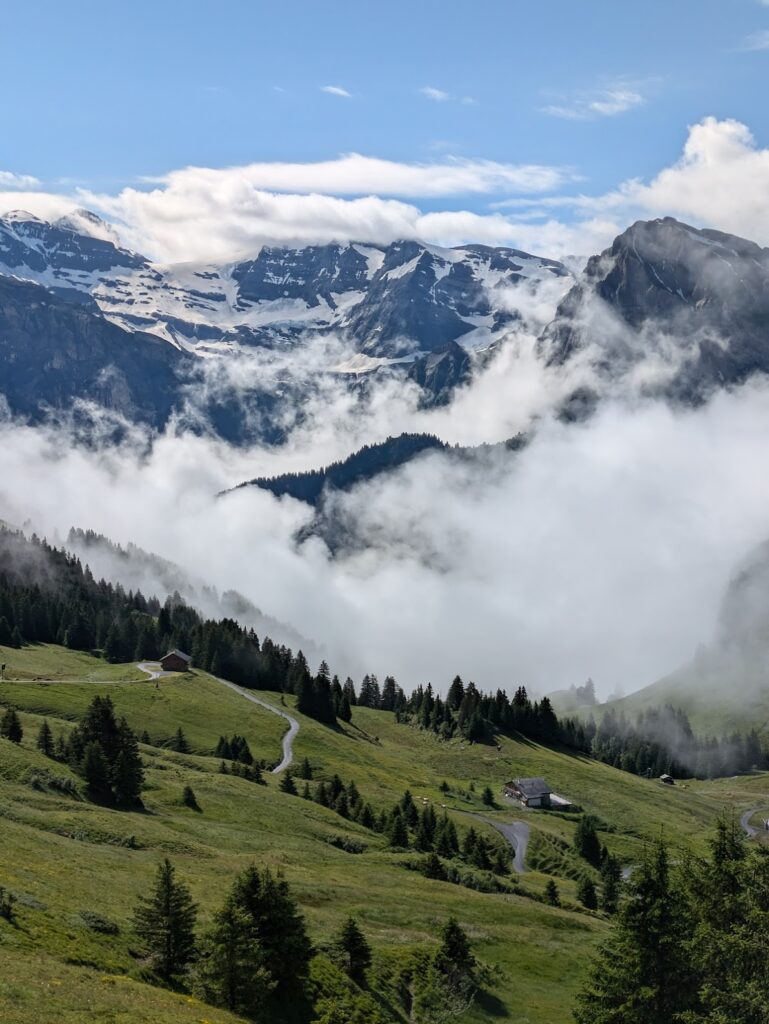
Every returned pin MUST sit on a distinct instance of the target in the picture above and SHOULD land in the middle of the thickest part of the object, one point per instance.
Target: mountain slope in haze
(691, 304)
(726, 685)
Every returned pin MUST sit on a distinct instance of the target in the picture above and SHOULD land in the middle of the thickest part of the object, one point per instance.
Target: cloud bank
(720, 180)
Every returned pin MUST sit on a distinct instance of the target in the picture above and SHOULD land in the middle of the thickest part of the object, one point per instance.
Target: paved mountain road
(154, 672)
(750, 830)
(517, 834)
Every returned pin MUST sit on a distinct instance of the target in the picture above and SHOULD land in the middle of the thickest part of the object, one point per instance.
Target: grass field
(63, 856)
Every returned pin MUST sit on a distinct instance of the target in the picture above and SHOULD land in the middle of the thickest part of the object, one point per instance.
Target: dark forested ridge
(362, 465)
(368, 462)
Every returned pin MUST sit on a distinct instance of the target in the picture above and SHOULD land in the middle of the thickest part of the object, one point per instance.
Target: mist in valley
(601, 549)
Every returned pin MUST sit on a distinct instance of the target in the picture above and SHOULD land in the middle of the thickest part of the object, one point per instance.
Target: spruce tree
(10, 726)
(611, 883)
(586, 841)
(287, 784)
(231, 972)
(642, 975)
(165, 923)
(277, 926)
(96, 770)
(397, 834)
(551, 894)
(305, 769)
(127, 773)
(44, 741)
(355, 950)
(487, 797)
(586, 893)
(189, 799)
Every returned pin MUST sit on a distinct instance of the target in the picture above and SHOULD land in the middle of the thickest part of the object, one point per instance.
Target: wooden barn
(175, 661)
(531, 792)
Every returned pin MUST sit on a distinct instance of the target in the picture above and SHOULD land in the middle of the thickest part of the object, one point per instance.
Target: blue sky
(100, 95)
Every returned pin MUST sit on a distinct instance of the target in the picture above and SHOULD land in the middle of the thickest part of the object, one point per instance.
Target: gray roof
(179, 654)
(532, 787)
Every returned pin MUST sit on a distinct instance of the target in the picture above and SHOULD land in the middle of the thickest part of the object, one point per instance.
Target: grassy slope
(720, 697)
(65, 856)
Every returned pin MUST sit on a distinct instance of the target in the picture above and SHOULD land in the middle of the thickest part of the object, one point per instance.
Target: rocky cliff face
(696, 301)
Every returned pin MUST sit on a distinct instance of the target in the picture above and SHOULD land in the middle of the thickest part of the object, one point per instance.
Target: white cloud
(757, 41)
(438, 95)
(721, 181)
(608, 102)
(336, 90)
(10, 180)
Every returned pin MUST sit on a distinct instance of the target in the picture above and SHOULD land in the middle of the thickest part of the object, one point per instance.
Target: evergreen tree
(179, 742)
(397, 835)
(276, 925)
(611, 883)
(44, 741)
(305, 769)
(287, 784)
(586, 893)
(231, 972)
(642, 975)
(10, 726)
(165, 923)
(487, 797)
(127, 773)
(189, 799)
(96, 770)
(586, 841)
(551, 894)
(352, 944)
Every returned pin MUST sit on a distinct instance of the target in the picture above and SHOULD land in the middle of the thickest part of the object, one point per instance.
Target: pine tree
(96, 770)
(352, 944)
(179, 742)
(642, 974)
(287, 784)
(165, 923)
(127, 773)
(277, 926)
(305, 769)
(231, 972)
(189, 799)
(487, 797)
(45, 739)
(10, 726)
(611, 882)
(551, 894)
(586, 893)
(397, 835)
(586, 841)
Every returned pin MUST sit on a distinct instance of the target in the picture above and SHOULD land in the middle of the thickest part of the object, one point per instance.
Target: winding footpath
(750, 830)
(516, 833)
(154, 672)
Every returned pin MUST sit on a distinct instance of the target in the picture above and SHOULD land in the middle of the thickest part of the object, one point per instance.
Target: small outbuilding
(531, 792)
(175, 661)
(668, 780)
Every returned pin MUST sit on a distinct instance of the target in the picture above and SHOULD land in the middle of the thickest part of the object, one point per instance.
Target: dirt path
(293, 725)
(154, 672)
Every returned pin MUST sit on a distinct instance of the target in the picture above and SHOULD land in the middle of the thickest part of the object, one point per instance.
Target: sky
(468, 122)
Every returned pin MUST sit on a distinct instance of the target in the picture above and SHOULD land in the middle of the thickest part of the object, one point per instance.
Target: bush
(99, 924)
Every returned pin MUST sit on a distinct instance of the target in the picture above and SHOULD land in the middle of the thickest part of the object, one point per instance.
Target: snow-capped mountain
(393, 301)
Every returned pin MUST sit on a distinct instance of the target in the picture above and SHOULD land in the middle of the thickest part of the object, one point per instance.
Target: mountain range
(87, 324)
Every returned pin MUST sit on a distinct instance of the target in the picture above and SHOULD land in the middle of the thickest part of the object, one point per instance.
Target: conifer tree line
(661, 740)
(255, 957)
(689, 942)
(47, 595)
